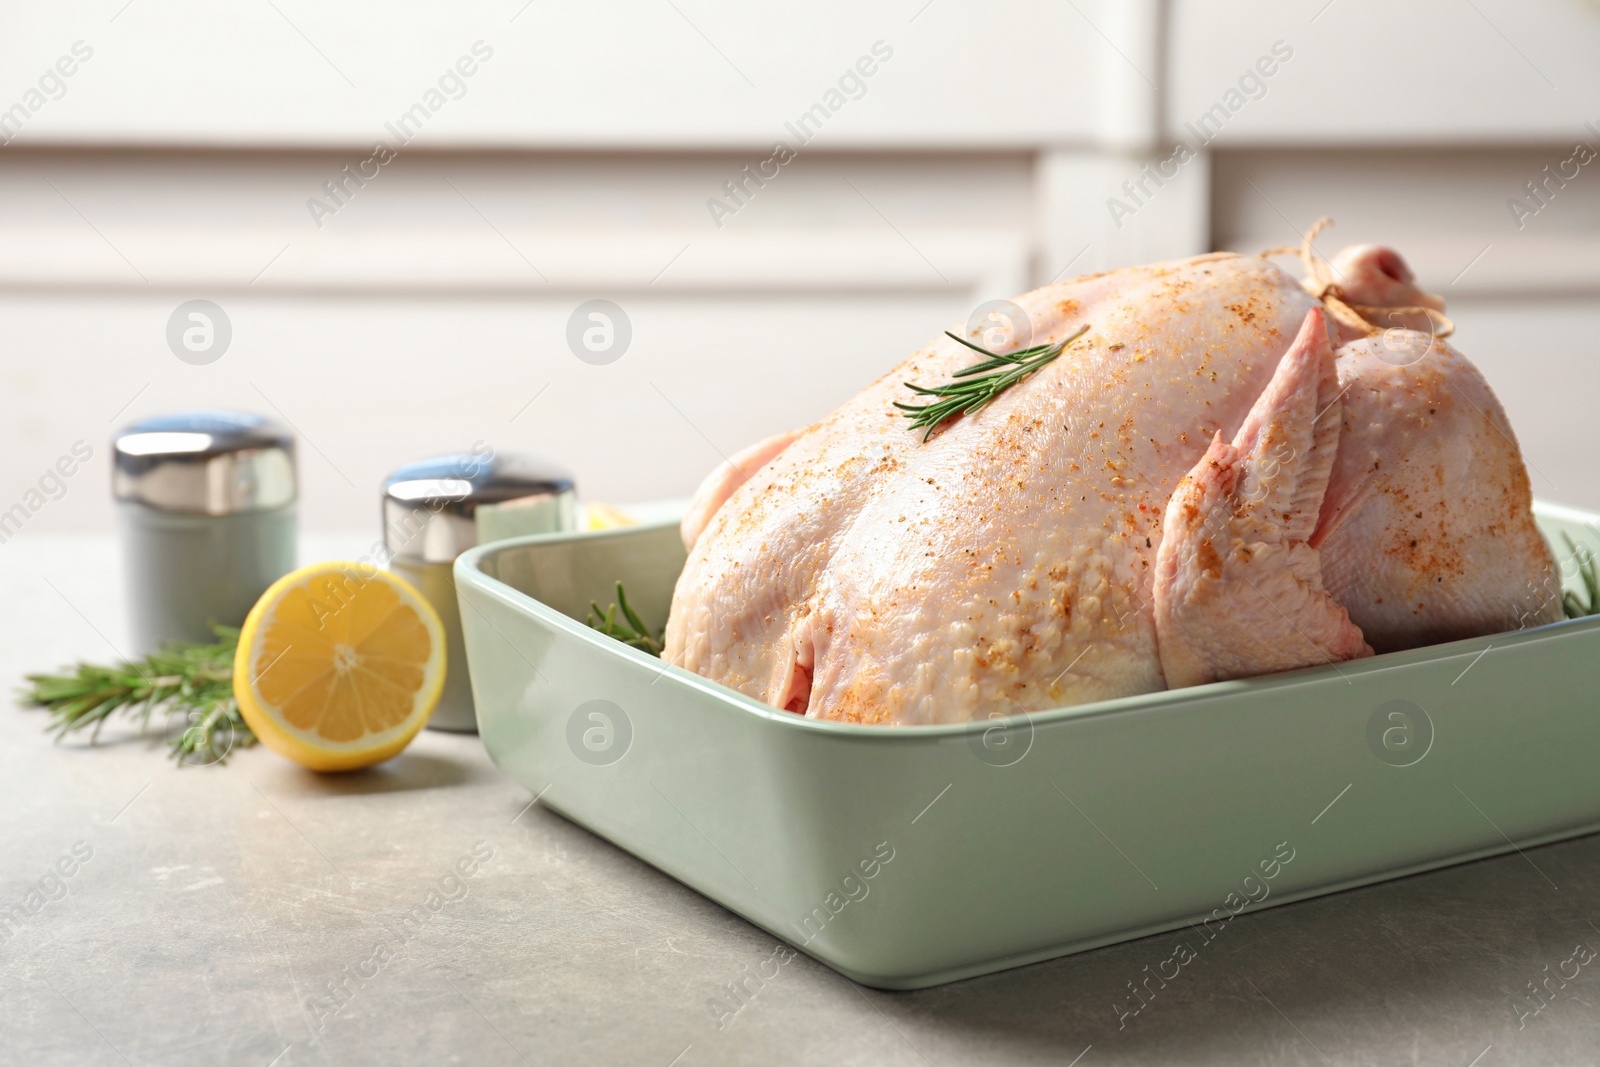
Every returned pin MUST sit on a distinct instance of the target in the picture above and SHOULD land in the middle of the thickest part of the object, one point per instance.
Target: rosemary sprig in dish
(630, 629)
(974, 387)
(193, 680)
(1570, 602)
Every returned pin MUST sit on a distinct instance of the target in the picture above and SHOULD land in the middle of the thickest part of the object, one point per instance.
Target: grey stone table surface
(424, 911)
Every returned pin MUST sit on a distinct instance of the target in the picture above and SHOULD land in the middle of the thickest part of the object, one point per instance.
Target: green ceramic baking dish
(908, 857)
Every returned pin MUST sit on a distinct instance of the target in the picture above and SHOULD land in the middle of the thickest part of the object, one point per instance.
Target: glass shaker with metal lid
(436, 509)
(206, 510)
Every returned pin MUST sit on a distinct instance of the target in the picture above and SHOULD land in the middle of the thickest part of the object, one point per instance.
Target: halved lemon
(339, 665)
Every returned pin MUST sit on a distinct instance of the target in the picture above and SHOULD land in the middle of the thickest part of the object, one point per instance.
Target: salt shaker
(206, 512)
(435, 509)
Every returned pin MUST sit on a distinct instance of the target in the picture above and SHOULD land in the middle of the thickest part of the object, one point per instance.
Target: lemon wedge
(339, 665)
(599, 516)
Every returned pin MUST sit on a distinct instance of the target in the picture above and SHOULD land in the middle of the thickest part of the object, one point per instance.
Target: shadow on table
(1436, 964)
(407, 771)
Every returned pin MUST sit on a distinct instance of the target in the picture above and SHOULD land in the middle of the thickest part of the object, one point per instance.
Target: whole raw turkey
(1230, 473)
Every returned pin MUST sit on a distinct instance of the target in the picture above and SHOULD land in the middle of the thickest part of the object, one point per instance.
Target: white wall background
(430, 312)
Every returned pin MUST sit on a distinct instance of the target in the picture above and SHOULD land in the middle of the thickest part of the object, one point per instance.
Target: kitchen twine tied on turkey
(1321, 283)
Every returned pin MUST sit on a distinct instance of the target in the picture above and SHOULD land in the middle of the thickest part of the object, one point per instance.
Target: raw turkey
(1231, 473)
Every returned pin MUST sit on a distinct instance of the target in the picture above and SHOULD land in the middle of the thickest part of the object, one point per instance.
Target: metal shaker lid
(205, 462)
(435, 509)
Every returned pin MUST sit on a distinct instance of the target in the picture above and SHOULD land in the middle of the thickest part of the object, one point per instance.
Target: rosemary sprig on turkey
(974, 387)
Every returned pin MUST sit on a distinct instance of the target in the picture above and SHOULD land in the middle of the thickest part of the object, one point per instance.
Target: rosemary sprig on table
(630, 629)
(975, 386)
(193, 680)
(1570, 602)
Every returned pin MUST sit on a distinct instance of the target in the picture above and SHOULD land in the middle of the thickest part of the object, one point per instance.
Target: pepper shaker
(206, 511)
(436, 509)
